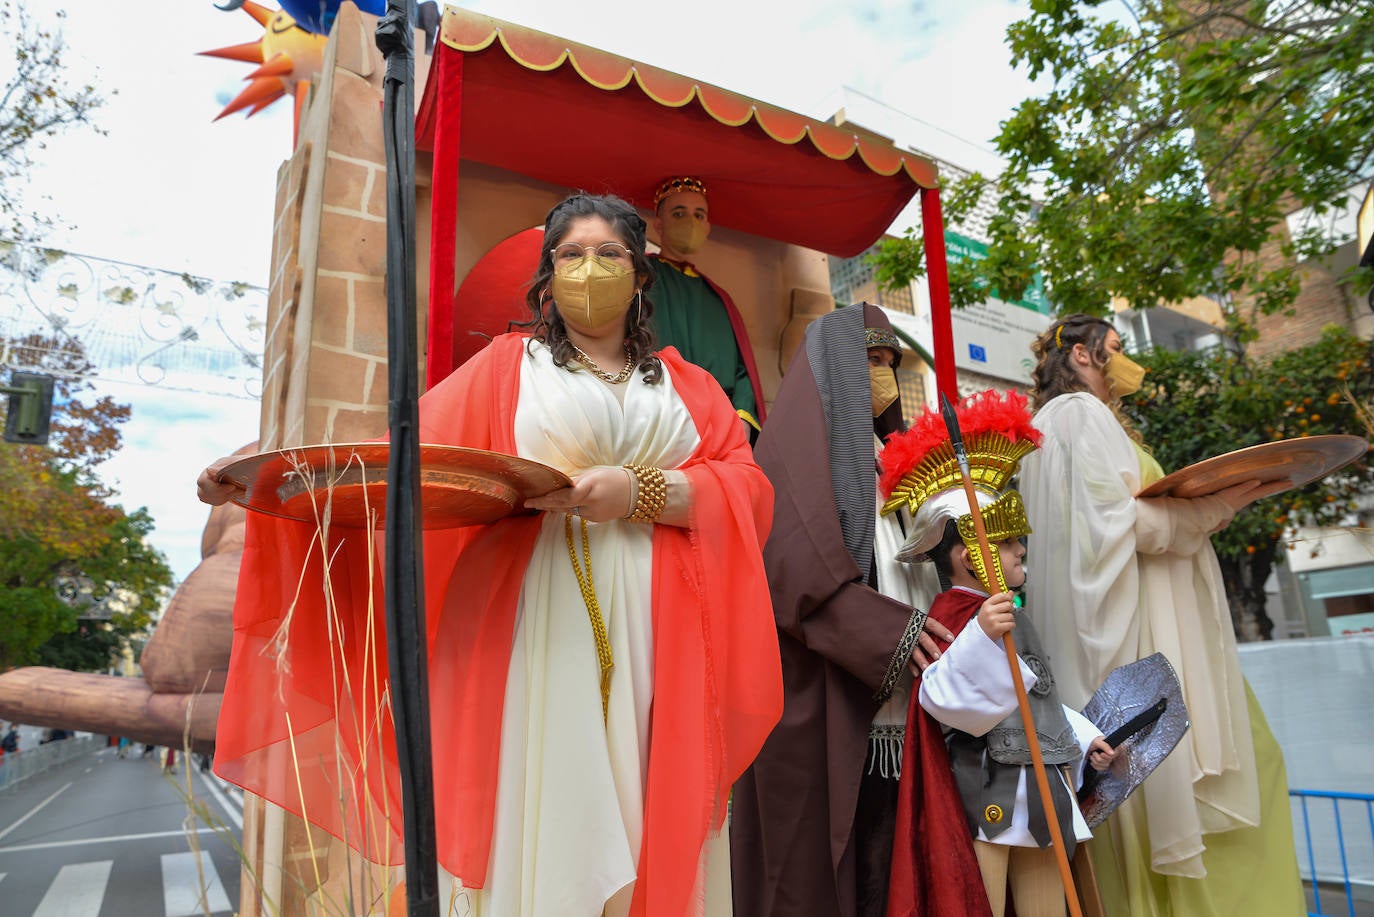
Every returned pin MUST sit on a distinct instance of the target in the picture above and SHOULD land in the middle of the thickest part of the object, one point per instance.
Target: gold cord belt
(584, 582)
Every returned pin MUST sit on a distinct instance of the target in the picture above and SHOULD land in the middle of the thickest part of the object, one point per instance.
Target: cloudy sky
(167, 187)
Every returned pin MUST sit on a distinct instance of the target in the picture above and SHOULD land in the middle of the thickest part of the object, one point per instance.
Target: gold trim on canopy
(463, 30)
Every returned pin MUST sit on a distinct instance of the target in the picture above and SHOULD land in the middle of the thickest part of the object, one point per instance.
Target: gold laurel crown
(674, 185)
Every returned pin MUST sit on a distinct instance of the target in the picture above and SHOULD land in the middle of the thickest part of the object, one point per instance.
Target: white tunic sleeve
(969, 687)
(1178, 526)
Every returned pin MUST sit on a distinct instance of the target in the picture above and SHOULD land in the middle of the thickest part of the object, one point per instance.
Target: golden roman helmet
(920, 472)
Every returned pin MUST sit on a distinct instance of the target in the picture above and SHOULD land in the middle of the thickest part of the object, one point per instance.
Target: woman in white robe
(1114, 578)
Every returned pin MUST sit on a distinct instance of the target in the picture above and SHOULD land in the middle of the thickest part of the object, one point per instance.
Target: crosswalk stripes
(78, 891)
(182, 882)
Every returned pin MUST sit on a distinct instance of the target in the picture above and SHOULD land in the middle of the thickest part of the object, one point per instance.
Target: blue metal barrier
(1330, 857)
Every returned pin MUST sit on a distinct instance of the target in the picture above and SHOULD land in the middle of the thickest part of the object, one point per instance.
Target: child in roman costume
(969, 690)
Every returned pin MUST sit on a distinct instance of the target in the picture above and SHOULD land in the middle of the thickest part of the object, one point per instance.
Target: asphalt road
(102, 836)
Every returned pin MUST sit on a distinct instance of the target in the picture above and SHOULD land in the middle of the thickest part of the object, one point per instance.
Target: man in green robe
(691, 312)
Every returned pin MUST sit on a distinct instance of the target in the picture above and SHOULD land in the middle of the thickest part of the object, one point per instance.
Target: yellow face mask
(882, 385)
(685, 235)
(592, 293)
(1124, 375)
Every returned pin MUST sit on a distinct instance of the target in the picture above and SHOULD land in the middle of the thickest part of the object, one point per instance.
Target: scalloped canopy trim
(465, 31)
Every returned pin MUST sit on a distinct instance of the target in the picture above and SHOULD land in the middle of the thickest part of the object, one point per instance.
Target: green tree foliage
(1171, 146)
(37, 102)
(1195, 405)
(77, 575)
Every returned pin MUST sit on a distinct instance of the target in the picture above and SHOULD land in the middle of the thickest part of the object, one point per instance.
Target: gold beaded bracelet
(651, 495)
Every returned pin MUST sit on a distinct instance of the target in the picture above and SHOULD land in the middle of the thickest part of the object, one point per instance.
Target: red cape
(306, 723)
(934, 869)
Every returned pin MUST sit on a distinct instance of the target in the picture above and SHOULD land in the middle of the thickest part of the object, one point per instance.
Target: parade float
(787, 192)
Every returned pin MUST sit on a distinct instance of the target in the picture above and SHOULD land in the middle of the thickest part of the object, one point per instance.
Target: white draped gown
(1112, 579)
(570, 790)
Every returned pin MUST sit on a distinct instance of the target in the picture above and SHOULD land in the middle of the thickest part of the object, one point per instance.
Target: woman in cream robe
(1114, 578)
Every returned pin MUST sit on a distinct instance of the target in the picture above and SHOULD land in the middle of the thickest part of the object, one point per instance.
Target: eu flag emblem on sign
(975, 352)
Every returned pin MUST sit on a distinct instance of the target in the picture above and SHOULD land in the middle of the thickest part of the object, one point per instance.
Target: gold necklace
(613, 378)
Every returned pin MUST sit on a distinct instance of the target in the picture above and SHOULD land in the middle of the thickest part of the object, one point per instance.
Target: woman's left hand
(598, 495)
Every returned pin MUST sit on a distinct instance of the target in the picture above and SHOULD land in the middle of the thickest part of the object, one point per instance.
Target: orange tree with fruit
(1198, 404)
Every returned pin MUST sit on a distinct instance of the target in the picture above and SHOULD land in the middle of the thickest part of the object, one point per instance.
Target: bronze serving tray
(1297, 461)
(457, 486)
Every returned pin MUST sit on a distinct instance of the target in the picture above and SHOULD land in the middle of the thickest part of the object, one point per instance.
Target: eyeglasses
(570, 254)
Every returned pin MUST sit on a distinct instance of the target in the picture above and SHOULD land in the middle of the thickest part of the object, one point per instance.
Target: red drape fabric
(934, 869)
(305, 721)
(447, 112)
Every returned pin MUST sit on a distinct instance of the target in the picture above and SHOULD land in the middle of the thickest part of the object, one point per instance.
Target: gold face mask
(882, 384)
(592, 294)
(1124, 375)
(685, 234)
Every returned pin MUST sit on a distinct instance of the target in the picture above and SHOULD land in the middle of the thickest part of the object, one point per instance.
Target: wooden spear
(990, 569)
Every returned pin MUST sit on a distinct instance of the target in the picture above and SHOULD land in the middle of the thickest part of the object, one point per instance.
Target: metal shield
(1131, 694)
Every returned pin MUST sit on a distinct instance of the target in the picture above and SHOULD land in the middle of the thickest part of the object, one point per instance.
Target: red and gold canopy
(583, 118)
(577, 117)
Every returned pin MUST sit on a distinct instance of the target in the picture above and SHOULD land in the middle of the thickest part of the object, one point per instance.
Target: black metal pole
(404, 578)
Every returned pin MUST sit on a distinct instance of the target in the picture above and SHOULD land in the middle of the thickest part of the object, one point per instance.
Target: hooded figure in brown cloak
(812, 819)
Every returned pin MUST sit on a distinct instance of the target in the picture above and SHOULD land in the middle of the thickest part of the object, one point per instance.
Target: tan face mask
(592, 294)
(882, 385)
(685, 235)
(1124, 375)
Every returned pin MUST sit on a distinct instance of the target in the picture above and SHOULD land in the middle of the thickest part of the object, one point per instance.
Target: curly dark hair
(548, 326)
(1054, 374)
